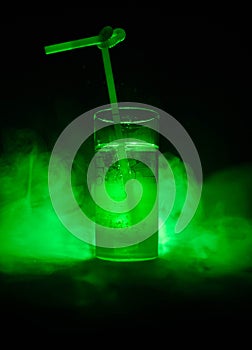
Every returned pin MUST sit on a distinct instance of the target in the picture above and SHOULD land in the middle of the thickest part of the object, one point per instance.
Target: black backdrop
(196, 68)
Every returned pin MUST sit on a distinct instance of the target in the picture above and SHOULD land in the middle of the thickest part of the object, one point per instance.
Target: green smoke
(32, 239)
(218, 240)
(31, 236)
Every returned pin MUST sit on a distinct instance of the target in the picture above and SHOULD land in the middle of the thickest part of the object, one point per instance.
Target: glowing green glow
(217, 242)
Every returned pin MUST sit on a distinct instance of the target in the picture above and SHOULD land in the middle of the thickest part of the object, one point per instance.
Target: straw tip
(106, 33)
(113, 39)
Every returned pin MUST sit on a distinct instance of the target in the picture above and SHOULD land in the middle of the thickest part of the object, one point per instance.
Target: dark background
(196, 68)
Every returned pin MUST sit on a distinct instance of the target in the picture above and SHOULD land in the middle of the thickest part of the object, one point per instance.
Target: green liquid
(146, 175)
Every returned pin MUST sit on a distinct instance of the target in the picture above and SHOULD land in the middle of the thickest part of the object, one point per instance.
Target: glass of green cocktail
(126, 209)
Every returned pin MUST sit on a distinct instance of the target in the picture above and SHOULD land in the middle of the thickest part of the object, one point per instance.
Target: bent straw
(105, 40)
(122, 156)
(116, 36)
(70, 45)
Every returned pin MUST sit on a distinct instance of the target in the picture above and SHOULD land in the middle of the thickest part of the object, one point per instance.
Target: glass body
(133, 154)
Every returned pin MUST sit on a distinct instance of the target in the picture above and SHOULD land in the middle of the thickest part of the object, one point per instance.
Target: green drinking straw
(105, 40)
(105, 33)
(116, 36)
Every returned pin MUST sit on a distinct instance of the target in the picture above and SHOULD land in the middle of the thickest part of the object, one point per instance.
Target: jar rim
(126, 115)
